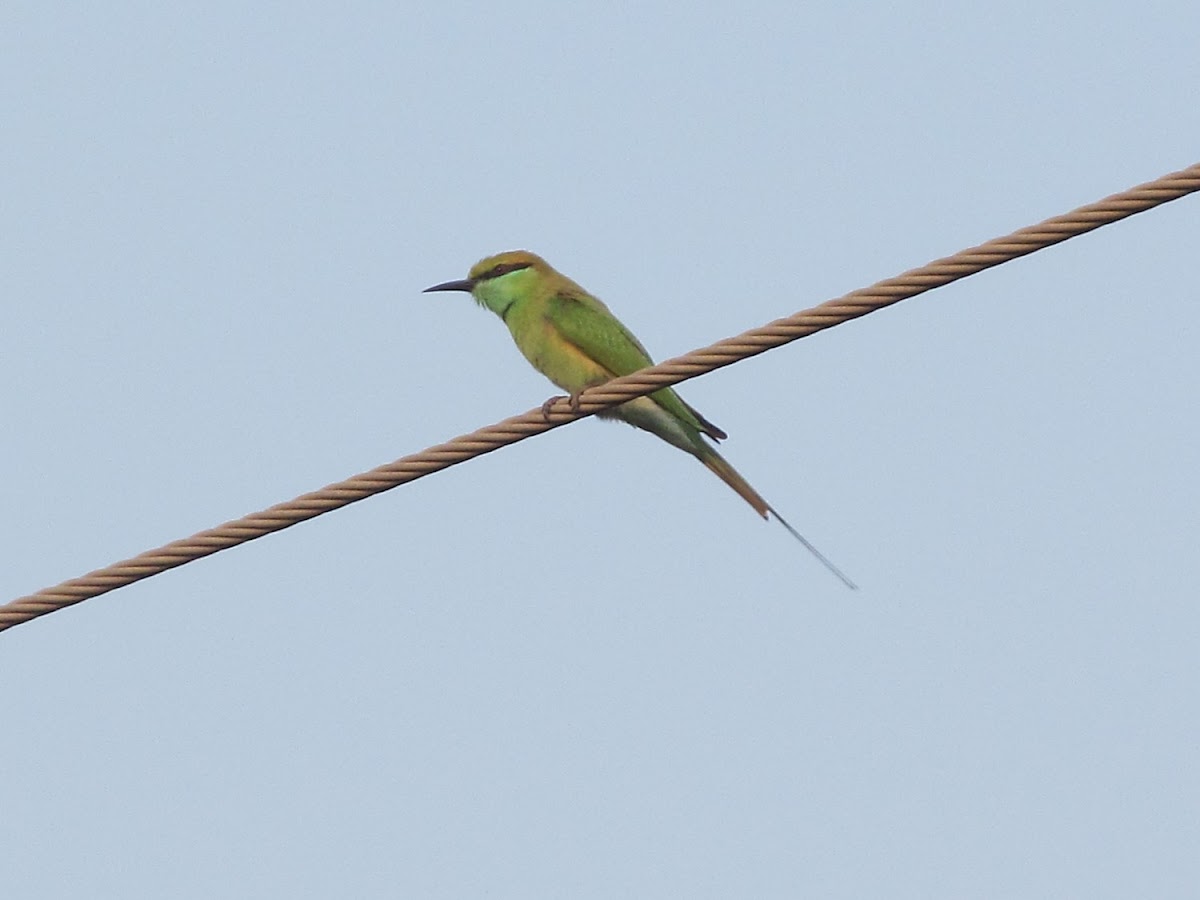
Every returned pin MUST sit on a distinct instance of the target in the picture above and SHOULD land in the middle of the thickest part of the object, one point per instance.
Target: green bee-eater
(572, 338)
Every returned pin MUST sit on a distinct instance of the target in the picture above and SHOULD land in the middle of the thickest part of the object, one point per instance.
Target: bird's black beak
(465, 285)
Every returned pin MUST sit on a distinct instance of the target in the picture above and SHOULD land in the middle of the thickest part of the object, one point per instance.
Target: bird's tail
(717, 464)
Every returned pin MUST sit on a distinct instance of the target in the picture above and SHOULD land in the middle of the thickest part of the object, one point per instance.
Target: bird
(573, 339)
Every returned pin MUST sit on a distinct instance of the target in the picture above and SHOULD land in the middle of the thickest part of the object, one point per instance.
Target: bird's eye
(504, 269)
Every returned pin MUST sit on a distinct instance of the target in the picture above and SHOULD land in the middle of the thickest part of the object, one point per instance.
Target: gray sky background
(582, 666)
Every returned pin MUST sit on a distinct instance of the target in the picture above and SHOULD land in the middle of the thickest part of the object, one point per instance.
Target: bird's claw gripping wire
(573, 400)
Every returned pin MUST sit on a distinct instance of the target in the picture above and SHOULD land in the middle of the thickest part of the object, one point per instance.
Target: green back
(588, 324)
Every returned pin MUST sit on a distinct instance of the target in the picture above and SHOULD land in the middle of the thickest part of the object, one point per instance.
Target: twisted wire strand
(560, 412)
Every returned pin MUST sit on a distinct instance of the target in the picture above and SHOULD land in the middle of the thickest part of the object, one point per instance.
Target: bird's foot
(573, 400)
(549, 403)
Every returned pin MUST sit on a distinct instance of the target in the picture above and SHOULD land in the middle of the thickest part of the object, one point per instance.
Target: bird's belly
(561, 361)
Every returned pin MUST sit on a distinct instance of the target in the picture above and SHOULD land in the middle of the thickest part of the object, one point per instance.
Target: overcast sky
(581, 666)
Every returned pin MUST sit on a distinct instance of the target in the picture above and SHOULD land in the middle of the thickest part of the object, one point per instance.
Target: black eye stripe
(503, 269)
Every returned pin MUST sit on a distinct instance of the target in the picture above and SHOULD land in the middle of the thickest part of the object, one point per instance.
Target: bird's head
(499, 281)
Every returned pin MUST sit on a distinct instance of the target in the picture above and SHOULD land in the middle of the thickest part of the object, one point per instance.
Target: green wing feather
(587, 323)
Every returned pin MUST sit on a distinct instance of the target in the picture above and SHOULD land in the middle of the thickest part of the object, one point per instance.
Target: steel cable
(698, 362)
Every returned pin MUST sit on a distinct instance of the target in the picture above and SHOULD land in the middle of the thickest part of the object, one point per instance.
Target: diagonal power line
(698, 362)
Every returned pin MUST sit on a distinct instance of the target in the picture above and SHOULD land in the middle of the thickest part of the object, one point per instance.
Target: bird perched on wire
(574, 340)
